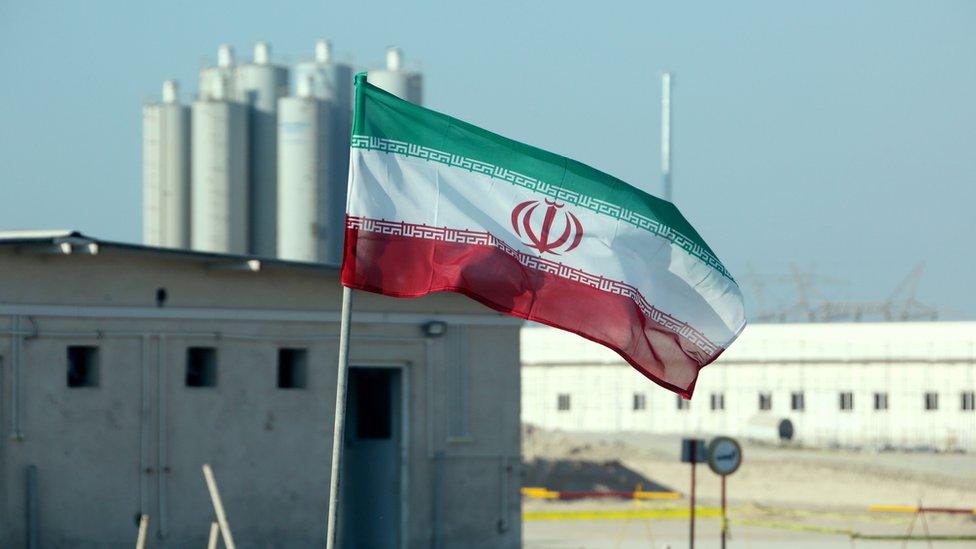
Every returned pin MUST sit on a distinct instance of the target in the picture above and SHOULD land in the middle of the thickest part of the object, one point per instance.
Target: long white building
(884, 385)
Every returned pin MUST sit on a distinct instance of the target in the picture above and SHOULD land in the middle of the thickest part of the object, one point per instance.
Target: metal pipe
(666, 134)
(15, 341)
(504, 471)
(725, 522)
(162, 467)
(33, 521)
(218, 506)
(438, 501)
(144, 466)
(340, 416)
(429, 397)
(143, 531)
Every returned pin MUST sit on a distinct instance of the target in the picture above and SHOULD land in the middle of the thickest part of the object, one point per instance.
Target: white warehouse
(871, 385)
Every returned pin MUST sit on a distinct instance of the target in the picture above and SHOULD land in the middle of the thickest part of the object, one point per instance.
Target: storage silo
(311, 205)
(260, 84)
(219, 167)
(166, 171)
(403, 84)
(220, 75)
(330, 82)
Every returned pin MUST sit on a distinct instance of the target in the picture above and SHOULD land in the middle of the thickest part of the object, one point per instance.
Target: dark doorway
(370, 508)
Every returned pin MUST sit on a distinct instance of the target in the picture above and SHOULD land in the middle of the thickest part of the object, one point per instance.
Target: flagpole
(666, 134)
(340, 416)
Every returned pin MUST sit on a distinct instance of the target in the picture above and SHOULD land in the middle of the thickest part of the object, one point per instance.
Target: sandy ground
(780, 497)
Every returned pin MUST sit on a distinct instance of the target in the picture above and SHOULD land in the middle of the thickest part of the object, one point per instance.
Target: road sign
(693, 451)
(724, 455)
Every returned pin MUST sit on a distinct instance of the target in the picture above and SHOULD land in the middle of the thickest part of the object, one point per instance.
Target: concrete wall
(136, 442)
(821, 362)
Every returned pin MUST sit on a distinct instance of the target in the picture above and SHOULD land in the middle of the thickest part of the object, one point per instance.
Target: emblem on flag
(523, 220)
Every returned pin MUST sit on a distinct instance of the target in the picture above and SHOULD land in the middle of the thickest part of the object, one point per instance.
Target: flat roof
(69, 242)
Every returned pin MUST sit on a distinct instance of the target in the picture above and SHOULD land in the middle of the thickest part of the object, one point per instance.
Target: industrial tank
(403, 84)
(330, 80)
(221, 75)
(311, 203)
(259, 85)
(318, 128)
(219, 168)
(166, 171)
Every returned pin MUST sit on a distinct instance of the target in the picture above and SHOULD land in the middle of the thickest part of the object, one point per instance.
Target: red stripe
(401, 266)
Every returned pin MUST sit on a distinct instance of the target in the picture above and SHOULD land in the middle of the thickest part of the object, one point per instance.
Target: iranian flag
(439, 205)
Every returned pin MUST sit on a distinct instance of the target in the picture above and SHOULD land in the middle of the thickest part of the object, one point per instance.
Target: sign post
(693, 451)
(724, 458)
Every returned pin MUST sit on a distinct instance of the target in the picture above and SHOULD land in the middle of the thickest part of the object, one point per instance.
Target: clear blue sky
(834, 133)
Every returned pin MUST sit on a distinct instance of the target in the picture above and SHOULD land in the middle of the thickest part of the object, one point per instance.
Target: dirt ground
(780, 496)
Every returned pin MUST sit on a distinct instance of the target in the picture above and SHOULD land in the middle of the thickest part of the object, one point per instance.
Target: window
(931, 401)
(292, 368)
(796, 401)
(968, 401)
(718, 401)
(880, 401)
(847, 401)
(82, 366)
(765, 401)
(640, 401)
(201, 367)
(682, 403)
(562, 402)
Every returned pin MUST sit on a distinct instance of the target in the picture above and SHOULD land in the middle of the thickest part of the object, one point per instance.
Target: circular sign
(724, 455)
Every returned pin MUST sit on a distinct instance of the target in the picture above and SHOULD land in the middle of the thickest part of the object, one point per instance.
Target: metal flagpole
(340, 416)
(666, 133)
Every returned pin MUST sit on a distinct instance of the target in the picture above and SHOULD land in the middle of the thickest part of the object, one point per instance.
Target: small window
(718, 401)
(640, 401)
(765, 401)
(847, 401)
(201, 367)
(82, 366)
(292, 368)
(968, 401)
(682, 403)
(562, 402)
(880, 401)
(797, 403)
(931, 401)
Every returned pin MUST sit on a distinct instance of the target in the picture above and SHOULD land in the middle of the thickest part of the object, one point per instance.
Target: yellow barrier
(539, 492)
(664, 513)
(657, 495)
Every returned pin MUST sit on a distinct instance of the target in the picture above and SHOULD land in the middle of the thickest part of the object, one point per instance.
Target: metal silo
(329, 82)
(166, 171)
(219, 167)
(403, 84)
(260, 84)
(311, 205)
(221, 76)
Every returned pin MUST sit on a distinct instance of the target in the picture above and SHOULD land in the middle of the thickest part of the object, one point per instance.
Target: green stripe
(385, 122)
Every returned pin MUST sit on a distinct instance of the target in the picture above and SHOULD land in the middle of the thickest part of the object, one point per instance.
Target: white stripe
(401, 188)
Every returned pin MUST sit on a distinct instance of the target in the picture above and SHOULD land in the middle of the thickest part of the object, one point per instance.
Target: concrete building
(123, 369)
(879, 385)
